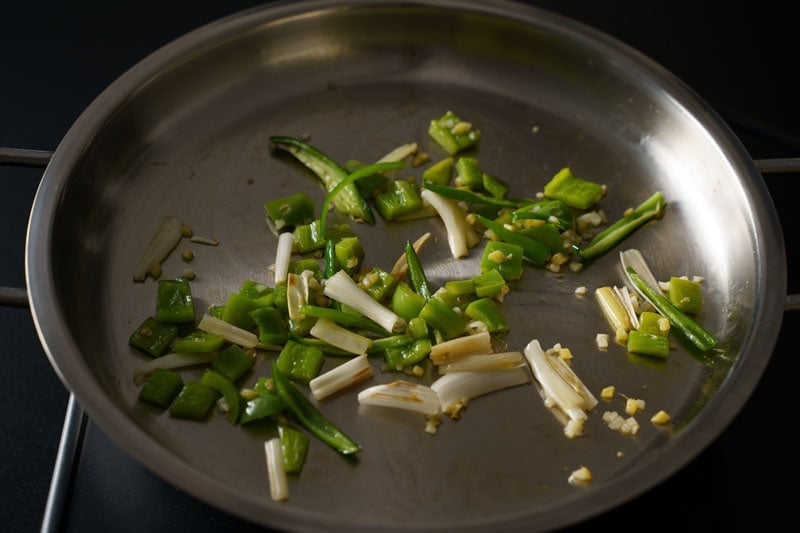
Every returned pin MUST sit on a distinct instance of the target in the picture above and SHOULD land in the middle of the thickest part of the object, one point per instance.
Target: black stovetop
(57, 56)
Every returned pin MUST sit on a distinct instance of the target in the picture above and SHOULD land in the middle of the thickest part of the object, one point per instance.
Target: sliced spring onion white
(455, 390)
(561, 387)
(165, 239)
(349, 373)
(171, 361)
(615, 313)
(458, 347)
(229, 332)
(278, 481)
(633, 258)
(402, 394)
(460, 236)
(399, 153)
(341, 337)
(343, 289)
(625, 298)
(297, 291)
(490, 361)
(283, 255)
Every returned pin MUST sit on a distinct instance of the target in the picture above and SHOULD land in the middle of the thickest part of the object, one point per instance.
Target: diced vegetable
(161, 387)
(227, 389)
(572, 190)
(194, 401)
(153, 336)
(504, 257)
(300, 362)
(294, 445)
(686, 295)
(174, 302)
(285, 213)
(452, 133)
(233, 363)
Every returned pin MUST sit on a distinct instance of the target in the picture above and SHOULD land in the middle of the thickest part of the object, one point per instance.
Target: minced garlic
(660, 418)
(581, 476)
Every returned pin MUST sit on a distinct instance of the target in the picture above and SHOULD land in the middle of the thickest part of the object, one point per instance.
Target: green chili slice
(310, 417)
(348, 181)
(351, 202)
(419, 281)
(471, 197)
(701, 338)
(651, 209)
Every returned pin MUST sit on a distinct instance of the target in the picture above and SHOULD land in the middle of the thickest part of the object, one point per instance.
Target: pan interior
(186, 133)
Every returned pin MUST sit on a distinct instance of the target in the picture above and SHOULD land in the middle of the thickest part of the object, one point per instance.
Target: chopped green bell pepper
(572, 190)
(174, 302)
(452, 133)
(153, 336)
(300, 362)
(504, 257)
(161, 387)
(194, 401)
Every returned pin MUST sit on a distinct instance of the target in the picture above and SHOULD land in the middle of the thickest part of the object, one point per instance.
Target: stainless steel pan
(185, 132)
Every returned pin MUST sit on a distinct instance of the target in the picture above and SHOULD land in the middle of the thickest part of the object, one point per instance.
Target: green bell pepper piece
(488, 311)
(572, 190)
(198, 341)
(468, 174)
(294, 445)
(290, 211)
(300, 362)
(271, 325)
(194, 401)
(161, 387)
(227, 389)
(401, 199)
(686, 295)
(504, 257)
(648, 343)
(406, 302)
(153, 336)
(443, 318)
(440, 172)
(233, 362)
(453, 134)
(408, 354)
(174, 303)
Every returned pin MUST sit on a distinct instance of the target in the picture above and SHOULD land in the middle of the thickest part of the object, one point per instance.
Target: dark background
(58, 56)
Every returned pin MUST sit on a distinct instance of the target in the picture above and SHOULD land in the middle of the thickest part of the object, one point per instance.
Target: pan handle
(782, 166)
(13, 296)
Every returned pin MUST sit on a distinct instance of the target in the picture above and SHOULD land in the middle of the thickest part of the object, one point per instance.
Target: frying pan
(185, 132)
